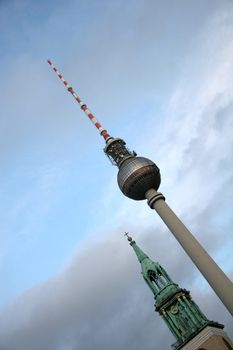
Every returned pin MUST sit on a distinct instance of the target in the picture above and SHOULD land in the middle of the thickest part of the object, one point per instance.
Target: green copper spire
(181, 314)
(140, 254)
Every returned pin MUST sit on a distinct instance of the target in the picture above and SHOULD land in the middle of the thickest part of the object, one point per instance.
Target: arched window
(153, 277)
(156, 279)
(227, 344)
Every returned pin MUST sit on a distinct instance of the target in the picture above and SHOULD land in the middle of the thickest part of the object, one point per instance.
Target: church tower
(188, 324)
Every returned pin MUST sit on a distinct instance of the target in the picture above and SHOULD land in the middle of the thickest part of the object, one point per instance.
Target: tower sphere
(136, 176)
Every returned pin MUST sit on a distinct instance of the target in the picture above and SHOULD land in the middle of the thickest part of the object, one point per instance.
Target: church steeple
(181, 314)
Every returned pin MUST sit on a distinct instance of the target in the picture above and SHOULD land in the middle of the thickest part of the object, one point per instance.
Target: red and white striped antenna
(83, 106)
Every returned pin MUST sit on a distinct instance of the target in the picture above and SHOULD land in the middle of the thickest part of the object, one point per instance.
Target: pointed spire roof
(154, 274)
(140, 254)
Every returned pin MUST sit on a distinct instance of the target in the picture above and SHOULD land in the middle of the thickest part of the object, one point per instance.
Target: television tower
(139, 178)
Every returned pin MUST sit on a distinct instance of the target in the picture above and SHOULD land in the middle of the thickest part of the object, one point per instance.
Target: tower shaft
(216, 278)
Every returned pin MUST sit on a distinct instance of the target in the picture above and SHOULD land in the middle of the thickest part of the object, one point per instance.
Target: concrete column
(216, 278)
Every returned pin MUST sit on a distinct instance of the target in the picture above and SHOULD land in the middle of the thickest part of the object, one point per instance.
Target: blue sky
(156, 73)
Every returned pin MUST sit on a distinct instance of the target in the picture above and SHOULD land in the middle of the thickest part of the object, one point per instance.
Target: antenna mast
(83, 106)
(115, 148)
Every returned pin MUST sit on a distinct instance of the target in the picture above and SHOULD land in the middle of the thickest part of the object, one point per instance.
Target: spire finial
(128, 237)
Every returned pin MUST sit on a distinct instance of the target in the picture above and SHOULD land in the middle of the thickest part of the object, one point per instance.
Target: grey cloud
(98, 301)
(101, 300)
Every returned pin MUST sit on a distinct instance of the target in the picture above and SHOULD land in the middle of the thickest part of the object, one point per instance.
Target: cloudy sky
(158, 74)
